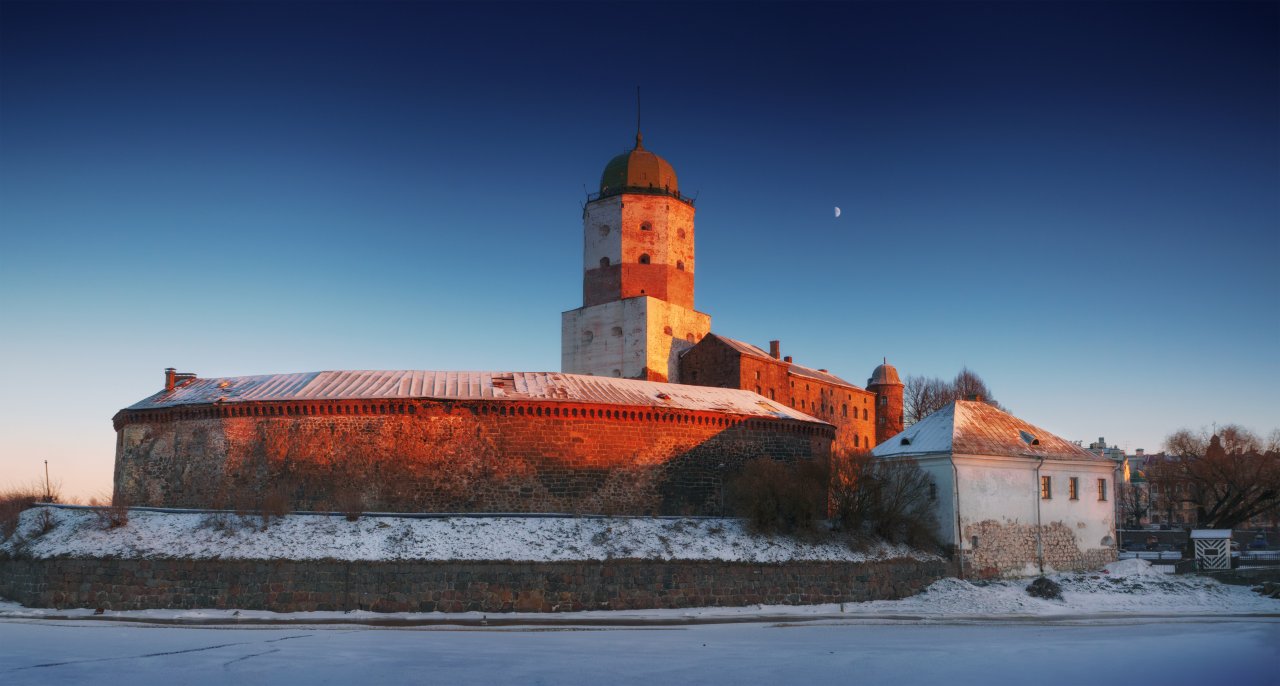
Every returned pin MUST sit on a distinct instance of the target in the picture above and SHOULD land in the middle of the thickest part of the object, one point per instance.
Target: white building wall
(624, 337)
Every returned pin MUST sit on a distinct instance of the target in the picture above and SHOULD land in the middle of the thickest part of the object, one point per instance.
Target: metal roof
(544, 386)
(797, 369)
(971, 427)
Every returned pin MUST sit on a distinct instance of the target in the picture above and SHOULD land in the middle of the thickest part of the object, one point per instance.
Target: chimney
(169, 373)
(775, 350)
(787, 358)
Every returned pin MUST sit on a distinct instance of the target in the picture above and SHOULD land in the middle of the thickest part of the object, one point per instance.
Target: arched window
(644, 258)
(646, 226)
(604, 262)
(680, 265)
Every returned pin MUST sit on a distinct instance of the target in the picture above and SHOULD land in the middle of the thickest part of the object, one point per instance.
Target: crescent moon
(837, 212)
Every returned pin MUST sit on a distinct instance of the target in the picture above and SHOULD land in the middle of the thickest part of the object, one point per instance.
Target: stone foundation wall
(431, 456)
(289, 586)
(1006, 549)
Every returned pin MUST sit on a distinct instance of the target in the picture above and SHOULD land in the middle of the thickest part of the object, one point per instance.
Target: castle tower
(884, 382)
(637, 275)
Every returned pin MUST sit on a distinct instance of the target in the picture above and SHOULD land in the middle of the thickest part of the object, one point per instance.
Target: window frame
(1046, 487)
(1073, 488)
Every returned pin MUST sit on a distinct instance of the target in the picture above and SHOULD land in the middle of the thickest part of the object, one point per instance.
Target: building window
(758, 390)
(771, 395)
(884, 401)
(1102, 489)
(604, 262)
(604, 229)
(1073, 488)
(646, 226)
(644, 258)
(757, 376)
(802, 404)
(864, 413)
(933, 491)
(1046, 487)
(844, 410)
(666, 330)
(617, 331)
(680, 265)
(587, 336)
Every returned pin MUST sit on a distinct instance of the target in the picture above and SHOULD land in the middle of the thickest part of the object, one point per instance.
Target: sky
(1078, 201)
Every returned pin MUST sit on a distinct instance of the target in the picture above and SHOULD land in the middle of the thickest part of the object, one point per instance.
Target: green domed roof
(638, 170)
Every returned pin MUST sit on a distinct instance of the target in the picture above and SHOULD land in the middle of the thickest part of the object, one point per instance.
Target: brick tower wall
(431, 456)
(889, 414)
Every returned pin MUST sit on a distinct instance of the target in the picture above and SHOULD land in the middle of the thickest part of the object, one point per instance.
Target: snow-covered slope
(309, 537)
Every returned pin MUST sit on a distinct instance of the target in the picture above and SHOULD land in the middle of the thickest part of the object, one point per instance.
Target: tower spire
(639, 138)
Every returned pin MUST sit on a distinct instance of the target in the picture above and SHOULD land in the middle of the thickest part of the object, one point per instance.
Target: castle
(652, 413)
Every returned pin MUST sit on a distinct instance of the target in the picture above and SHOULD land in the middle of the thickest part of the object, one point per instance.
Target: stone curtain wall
(1005, 549)
(287, 586)
(429, 456)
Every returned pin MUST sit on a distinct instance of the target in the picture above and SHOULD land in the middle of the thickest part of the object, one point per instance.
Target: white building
(1016, 499)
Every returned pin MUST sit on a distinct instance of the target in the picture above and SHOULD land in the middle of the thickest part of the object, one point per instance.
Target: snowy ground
(1126, 625)
(1129, 625)
(76, 532)
(1241, 652)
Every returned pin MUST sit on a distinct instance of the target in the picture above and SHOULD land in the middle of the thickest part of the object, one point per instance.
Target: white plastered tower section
(638, 275)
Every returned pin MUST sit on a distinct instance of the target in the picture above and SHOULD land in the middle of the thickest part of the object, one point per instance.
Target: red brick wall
(430, 456)
(851, 410)
(620, 281)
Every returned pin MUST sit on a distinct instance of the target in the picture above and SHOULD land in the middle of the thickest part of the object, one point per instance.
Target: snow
(1237, 652)
(194, 535)
(1125, 624)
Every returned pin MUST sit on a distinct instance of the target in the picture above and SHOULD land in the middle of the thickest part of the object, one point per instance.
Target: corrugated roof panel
(351, 385)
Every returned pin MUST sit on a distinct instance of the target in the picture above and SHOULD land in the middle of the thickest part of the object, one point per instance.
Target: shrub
(111, 514)
(776, 497)
(890, 499)
(12, 505)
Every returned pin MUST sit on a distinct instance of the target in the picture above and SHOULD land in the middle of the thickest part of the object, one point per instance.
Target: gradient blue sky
(1078, 201)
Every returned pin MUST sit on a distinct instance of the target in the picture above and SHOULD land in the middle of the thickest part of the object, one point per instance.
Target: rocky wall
(290, 586)
(995, 549)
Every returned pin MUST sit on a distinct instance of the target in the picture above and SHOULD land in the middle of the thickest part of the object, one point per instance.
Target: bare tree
(922, 396)
(1229, 477)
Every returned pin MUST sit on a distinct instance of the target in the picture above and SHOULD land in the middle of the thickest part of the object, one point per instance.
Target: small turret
(884, 382)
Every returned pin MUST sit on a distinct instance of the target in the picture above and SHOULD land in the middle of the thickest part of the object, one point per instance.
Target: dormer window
(1028, 438)
(905, 441)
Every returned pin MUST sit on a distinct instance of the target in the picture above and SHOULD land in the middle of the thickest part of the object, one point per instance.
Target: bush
(12, 505)
(776, 497)
(113, 514)
(890, 499)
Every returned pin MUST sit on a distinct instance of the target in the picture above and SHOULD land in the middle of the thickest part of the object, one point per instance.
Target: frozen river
(1236, 651)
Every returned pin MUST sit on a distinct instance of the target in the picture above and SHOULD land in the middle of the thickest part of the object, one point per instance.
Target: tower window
(604, 229)
(587, 337)
(644, 258)
(666, 330)
(646, 226)
(864, 413)
(617, 330)
(680, 233)
(680, 265)
(604, 262)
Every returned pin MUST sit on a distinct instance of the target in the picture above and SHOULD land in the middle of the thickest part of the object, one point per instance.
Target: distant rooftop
(444, 385)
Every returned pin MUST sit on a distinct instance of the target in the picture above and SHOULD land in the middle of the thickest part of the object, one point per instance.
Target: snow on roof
(545, 386)
(797, 369)
(972, 427)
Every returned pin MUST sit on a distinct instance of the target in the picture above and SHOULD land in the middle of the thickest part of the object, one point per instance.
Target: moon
(837, 213)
